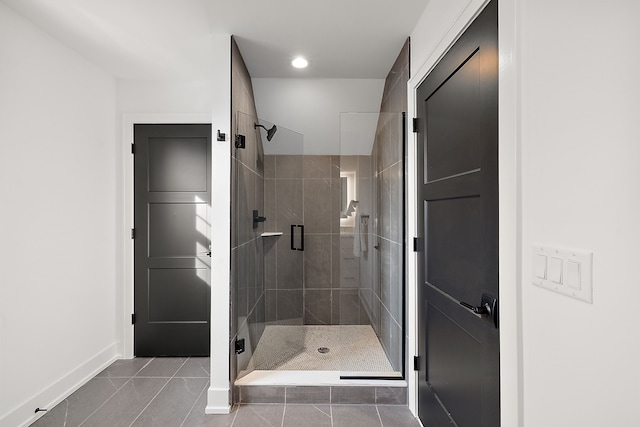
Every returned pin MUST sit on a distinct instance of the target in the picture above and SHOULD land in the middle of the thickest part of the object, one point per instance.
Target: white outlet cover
(570, 257)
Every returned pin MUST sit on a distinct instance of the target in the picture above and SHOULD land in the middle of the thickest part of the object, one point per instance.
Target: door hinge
(416, 363)
(133, 233)
(133, 318)
(415, 125)
(239, 346)
(133, 148)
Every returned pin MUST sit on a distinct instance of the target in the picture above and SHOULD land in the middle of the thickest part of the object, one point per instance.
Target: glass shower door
(267, 254)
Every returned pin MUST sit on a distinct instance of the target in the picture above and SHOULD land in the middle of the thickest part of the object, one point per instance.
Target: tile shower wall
(304, 287)
(388, 159)
(247, 261)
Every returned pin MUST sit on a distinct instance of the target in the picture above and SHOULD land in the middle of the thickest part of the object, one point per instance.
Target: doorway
(172, 200)
(457, 174)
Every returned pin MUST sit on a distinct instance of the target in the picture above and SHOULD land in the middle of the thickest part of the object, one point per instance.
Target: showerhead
(270, 132)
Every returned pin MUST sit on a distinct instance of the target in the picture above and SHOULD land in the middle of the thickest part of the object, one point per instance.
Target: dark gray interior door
(172, 191)
(457, 146)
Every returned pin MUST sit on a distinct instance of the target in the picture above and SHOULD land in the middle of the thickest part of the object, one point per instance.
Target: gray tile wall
(248, 193)
(303, 287)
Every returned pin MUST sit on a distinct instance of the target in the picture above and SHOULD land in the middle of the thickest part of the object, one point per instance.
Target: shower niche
(317, 269)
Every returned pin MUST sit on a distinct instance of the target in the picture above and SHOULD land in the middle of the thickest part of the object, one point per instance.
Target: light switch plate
(568, 271)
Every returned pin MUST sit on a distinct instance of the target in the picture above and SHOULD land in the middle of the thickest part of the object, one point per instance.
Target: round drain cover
(323, 350)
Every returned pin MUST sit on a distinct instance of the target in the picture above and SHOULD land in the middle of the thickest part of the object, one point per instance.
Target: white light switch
(565, 271)
(572, 274)
(541, 266)
(555, 270)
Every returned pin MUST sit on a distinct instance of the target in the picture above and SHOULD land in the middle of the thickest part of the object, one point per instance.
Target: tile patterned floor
(172, 392)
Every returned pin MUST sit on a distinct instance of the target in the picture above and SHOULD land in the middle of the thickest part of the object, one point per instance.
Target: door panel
(457, 150)
(177, 294)
(172, 270)
(454, 263)
(177, 164)
(454, 135)
(172, 233)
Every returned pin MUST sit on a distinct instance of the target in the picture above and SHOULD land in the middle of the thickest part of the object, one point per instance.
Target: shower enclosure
(317, 252)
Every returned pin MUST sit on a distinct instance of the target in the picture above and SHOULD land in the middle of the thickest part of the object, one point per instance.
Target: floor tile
(391, 396)
(262, 394)
(77, 407)
(197, 417)
(197, 367)
(307, 415)
(397, 416)
(355, 416)
(125, 367)
(308, 395)
(353, 395)
(127, 403)
(164, 367)
(259, 415)
(172, 405)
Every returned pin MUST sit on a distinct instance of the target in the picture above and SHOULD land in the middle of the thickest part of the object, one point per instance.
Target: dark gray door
(172, 190)
(458, 144)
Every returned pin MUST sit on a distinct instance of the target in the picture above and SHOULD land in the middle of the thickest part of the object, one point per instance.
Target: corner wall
(58, 248)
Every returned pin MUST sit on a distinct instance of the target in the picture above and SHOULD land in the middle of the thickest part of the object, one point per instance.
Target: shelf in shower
(271, 233)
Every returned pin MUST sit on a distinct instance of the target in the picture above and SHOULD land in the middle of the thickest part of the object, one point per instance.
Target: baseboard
(218, 401)
(55, 393)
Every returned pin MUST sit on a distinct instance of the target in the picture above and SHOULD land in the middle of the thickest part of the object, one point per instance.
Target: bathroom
(317, 261)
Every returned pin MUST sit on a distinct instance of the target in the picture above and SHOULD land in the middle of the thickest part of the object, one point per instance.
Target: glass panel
(267, 254)
(319, 272)
(371, 265)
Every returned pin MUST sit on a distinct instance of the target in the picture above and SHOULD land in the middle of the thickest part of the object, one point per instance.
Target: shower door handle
(293, 242)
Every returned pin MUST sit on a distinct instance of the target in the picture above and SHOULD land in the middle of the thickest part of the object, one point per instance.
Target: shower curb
(318, 395)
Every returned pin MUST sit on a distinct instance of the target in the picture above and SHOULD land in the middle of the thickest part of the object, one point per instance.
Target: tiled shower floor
(353, 348)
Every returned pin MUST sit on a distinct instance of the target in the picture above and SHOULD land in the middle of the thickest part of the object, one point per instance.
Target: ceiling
(169, 39)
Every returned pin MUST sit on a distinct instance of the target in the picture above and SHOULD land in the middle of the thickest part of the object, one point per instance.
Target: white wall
(580, 133)
(312, 107)
(569, 132)
(58, 239)
(171, 101)
(165, 96)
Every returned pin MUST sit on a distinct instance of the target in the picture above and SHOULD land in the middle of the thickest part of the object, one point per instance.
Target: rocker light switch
(555, 270)
(568, 271)
(541, 266)
(572, 275)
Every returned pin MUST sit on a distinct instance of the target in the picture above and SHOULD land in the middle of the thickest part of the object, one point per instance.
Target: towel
(359, 237)
(356, 237)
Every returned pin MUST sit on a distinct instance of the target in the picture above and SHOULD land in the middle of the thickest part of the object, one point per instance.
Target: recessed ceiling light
(300, 62)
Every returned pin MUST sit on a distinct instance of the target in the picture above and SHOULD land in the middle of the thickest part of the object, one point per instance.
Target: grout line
(235, 415)
(159, 391)
(379, 417)
(206, 387)
(114, 393)
(330, 407)
(105, 402)
(284, 411)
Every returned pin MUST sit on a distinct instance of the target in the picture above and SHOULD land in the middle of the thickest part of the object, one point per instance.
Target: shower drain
(323, 350)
